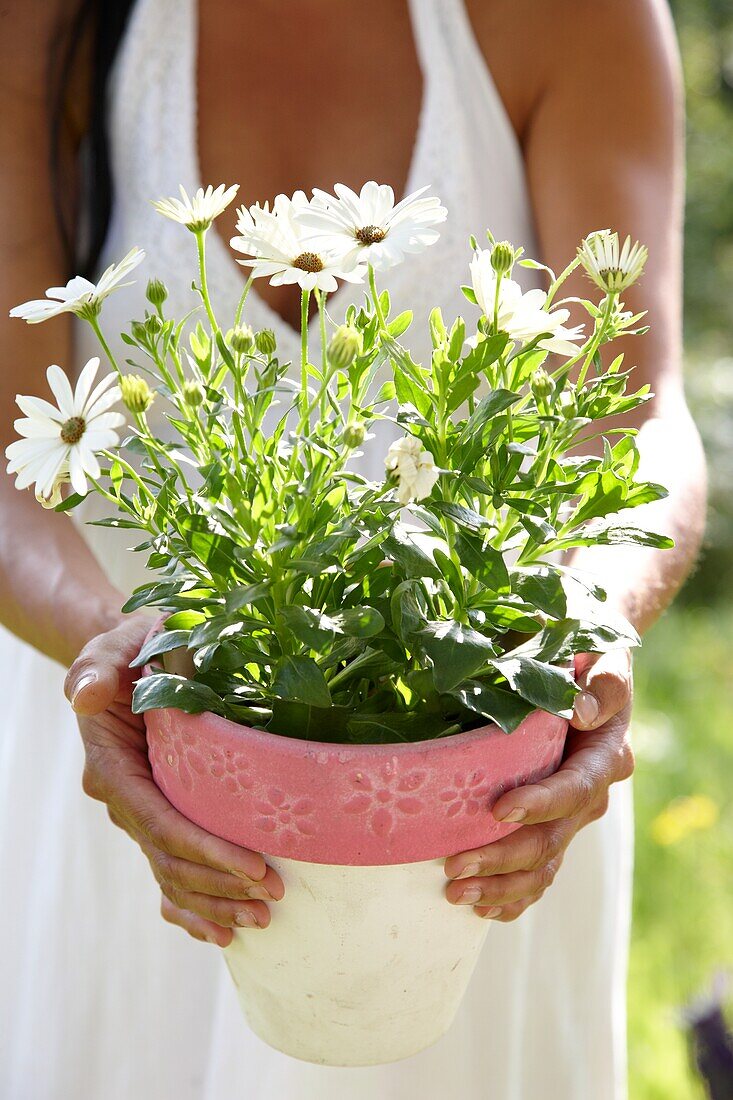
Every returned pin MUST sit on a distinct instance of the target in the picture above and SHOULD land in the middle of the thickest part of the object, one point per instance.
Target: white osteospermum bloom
(79, 296)
(60, 442)
(370, 227)
(276, 242)
(197, 212)
(522, 315)
(413, 467)
(612, 266)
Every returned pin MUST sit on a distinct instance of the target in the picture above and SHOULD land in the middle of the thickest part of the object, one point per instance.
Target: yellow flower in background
(682, 817)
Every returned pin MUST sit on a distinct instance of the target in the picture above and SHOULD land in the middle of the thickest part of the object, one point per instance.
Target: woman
(544, 121)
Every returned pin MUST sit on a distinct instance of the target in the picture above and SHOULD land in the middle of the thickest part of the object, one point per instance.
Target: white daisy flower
(60, 442)
(198, 212)
(413, 467)
(276, 242)
(612, 266)
(369, 226)
(79, 296)
(522, 315)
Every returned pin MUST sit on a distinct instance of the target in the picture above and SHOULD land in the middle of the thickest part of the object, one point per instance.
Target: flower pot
(364, 961)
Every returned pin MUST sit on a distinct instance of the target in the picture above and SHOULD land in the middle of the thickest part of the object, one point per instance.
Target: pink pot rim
(344, 803)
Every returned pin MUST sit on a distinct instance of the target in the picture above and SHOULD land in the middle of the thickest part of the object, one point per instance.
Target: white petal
(84, 384)
(39, 409)
(61, 389)
(76, 472)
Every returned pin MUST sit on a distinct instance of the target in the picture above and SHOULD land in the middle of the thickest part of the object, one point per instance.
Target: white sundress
(99, 998)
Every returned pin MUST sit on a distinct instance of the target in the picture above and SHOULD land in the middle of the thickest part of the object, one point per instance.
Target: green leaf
(184, 620)
(246, 595)
(164, 690)
(408, 610)
(312, 628)
(308, 723)
(483, 561)
(542, 587)
(461, 515)
(548, 687)
(402, 549)
(301, 680)
(501, 706)
(163, 642)
(455, 650)
(381, 729)
(359, 622)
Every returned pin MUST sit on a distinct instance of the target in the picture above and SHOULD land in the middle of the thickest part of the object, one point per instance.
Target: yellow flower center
(73, 429)
(308, 261)
(370, 234)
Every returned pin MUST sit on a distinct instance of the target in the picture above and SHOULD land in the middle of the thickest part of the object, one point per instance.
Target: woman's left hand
(503, 879)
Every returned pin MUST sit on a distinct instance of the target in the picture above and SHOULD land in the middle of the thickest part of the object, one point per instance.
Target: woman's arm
(603, 149)
(53, 593)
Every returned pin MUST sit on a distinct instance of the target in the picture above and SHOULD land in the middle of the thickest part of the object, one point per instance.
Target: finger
(502, 889)
(506, 913)
(606, 689)
(180, 874)
(599, 759)
(101, 671)
(227, 914)
(161, 826)
(523, 850)
(197, 927)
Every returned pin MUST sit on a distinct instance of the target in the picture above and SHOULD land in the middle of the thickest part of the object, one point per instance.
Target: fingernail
(492, 912)
(86, 681)
(212, 939)
(260, 893)
(586, 708)
(517, 814)
(470, 896)
(469, 871)
(246, 919)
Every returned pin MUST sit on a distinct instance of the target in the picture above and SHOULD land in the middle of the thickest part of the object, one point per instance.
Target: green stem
(105, 346)
(204, 288)
(242, 300)
(304, 304)
(375, 299)
(597, 338)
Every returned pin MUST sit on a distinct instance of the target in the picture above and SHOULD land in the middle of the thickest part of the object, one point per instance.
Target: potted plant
(372, 660)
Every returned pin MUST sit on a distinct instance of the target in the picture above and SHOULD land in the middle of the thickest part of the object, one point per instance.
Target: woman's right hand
(208, 884)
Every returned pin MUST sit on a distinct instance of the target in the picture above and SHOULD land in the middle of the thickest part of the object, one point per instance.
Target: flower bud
(502, 257)
(241, 339)
(344, 347)
(153, 325)
(354, 434)
(265, 341)
(193, 393)
(136, 393)
(156, 293)
(139, 332)
(541, 384)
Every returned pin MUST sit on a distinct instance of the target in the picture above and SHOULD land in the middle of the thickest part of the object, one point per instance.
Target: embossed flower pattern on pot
(285, 815)
(467, 793)
(190, 756)
(385, 798)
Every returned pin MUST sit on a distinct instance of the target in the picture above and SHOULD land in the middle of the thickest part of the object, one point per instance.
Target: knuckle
(626, 761)
(91, 783)
(585, 791)
(545, 876)
(600, 808)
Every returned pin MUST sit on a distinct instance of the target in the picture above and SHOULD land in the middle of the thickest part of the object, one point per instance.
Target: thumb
(605, 682)
(93, 681)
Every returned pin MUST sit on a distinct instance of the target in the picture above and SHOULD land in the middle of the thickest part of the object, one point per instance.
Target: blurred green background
(683, 909)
